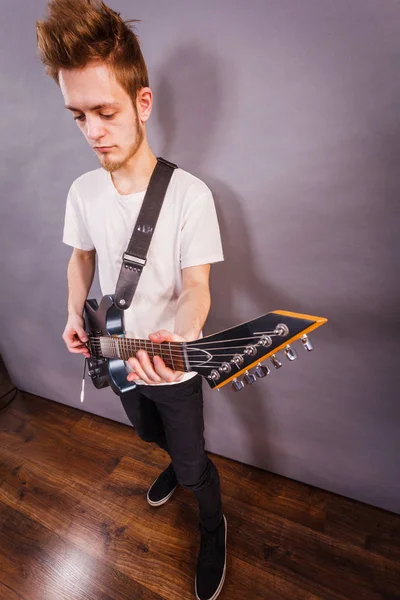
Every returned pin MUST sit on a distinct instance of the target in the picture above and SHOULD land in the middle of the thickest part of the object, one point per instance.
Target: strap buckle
(133, 262)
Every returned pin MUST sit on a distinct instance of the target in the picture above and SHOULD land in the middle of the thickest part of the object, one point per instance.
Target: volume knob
(237, 385)
(249, 378)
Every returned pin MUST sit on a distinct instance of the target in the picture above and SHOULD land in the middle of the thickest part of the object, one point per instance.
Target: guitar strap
(134, 259)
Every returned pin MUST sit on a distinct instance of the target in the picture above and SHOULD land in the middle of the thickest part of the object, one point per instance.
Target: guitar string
(192, 361)
(177, 357)
(175, 354)
(126, 344)
(214, 364)
(196, 362)
(167, 352)
(166, 348)
(199, 342)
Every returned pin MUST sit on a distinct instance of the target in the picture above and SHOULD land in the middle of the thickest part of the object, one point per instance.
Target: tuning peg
(237, 360)
(290, 353)
(214, 375)
(237, 385)
(262, 370)
(276, 362)
(307, 343)
(250, 350)
(265, 340)
(281, 329)
(249, 378)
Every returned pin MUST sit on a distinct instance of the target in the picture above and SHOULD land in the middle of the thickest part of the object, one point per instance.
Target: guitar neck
(172, 353)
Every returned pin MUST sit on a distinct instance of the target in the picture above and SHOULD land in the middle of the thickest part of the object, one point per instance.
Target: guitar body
(102, 320)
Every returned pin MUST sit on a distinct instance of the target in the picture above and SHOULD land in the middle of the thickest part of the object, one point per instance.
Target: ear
(144, 103)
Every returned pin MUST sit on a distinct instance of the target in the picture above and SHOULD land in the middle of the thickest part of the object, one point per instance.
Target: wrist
(73, 313)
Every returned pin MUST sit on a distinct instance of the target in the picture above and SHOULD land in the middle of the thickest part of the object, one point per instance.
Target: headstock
(225, 356)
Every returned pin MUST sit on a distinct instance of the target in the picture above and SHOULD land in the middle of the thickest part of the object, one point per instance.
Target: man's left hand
(155, 371)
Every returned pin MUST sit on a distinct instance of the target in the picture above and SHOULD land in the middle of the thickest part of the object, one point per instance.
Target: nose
(94, 128)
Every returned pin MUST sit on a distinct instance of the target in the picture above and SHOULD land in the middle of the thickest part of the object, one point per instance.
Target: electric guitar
(220, 358)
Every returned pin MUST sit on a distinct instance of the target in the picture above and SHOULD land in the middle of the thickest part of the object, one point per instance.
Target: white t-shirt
(187, 234)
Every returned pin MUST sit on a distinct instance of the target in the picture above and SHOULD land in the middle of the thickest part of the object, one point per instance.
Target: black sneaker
(163, 487)
(211, 564)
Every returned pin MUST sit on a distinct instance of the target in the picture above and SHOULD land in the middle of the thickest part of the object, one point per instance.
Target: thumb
(156, 337)
(161, 336)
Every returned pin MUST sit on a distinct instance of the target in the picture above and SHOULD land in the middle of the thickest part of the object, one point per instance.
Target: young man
(95, 58)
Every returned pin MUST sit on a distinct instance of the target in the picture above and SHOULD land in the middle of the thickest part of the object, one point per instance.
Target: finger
(163, 336)
(165, 372)
(68, 337)
(81, 334)
(147, 366)
(79, 351)
(132, 376)
(72, 337)
(156, 337)
(135, 364)
(77, 344)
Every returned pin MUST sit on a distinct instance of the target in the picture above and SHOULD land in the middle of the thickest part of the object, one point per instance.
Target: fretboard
(123, 348)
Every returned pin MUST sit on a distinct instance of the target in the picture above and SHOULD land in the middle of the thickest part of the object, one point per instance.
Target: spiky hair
(81, 32)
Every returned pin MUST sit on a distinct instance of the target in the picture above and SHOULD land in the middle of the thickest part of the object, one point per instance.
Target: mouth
(103, 148)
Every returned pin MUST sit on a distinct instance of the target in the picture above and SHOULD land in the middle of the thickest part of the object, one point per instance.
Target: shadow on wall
(190, 112)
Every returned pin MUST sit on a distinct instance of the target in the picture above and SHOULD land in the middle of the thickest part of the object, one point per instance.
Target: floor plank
(75, 524)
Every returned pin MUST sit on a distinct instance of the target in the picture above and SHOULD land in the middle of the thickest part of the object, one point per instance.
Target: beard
(113, 165)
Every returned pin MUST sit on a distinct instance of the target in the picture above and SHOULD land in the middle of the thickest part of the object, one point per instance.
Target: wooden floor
(75, 524)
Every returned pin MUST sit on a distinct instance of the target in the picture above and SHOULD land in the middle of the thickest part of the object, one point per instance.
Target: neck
(123, 348)
(134, 175)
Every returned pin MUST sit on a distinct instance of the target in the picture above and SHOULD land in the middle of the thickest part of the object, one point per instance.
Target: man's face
(104, 113)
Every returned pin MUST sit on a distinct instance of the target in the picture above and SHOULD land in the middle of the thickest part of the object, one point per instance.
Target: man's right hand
(75, 335)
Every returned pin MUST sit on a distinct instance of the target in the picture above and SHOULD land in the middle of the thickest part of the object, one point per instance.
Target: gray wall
(289, 111)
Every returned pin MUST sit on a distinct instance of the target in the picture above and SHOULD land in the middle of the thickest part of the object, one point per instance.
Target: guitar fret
(124, 348)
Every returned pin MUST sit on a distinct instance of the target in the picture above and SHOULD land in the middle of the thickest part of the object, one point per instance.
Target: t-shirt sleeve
(200, 235)
(75, 231)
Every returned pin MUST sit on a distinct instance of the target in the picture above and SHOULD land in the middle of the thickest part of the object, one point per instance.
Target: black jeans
(172, 417)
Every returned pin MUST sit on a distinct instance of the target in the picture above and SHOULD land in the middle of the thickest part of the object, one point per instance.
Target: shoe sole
(221, 583)
(163, 500)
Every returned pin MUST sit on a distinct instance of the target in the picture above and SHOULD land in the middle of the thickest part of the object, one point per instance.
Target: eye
(107, 116)
(79, 118)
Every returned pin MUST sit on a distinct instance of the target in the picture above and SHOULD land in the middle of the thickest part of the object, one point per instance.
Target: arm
(80, 273)
(194, 302)
(192, 310)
